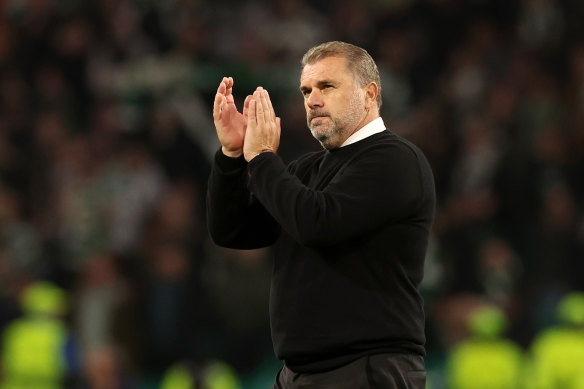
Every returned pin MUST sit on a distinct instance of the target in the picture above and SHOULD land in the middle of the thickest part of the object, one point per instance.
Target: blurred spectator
(209, 375)
(541, 22)
(35, 346)
(397, 51)
(83, 201)
(180, 140)
(486, 359)
(557, 352)
(500, 271)
(351, 21)
(237, 283)
(175, 217)
(20, 244)
(99, 296)
(138, 183)
(105, 370)
(450, 315)
(285, 27)
(554, 254)
(169, 318)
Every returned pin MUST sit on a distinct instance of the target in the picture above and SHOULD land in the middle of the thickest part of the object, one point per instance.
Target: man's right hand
(229, 123)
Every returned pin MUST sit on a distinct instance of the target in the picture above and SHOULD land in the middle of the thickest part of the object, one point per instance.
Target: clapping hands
(255, 130)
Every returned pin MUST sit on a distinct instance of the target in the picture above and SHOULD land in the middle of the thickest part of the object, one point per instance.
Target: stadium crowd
(106, 140)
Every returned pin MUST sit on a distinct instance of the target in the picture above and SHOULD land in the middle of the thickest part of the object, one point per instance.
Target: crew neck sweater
(350, 230)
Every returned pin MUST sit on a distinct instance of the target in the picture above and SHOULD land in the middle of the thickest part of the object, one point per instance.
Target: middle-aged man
(349, 225)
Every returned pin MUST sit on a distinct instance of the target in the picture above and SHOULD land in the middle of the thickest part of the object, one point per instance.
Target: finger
(229, 86)
(264, 106)
(222, 86)
(268, 110)
(229, 90)
(259, 109)
(270, 107)
(217, 105)
(251, 116)
(246, 106)
(258, 94)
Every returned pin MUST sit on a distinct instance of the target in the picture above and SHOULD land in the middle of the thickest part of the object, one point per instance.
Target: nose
(314, 99)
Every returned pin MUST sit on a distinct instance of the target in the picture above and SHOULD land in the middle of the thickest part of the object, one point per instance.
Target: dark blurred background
(106, 138)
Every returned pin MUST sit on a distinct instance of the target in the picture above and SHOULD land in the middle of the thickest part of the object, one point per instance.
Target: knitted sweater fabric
(349, 229)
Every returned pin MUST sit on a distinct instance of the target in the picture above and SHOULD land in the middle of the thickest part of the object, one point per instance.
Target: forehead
(330, 68)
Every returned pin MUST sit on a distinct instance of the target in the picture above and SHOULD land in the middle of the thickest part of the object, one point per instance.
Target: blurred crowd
(106, 141)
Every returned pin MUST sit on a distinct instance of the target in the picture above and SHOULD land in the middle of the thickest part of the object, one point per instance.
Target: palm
(232, 125)
(229, 123)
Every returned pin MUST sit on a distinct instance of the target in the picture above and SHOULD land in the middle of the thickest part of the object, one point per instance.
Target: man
(349, 225)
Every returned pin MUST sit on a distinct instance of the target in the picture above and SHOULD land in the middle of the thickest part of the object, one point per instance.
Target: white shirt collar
(373, 127)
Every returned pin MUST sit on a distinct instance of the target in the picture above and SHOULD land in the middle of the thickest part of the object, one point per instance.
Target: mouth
(318, 116)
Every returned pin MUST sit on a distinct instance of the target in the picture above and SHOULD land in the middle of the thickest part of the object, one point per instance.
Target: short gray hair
(358, 60)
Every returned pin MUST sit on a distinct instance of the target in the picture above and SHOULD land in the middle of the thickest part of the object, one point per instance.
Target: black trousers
(380, 371)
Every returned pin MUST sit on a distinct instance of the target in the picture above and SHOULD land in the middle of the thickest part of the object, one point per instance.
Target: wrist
(250, 156)
(232, 153)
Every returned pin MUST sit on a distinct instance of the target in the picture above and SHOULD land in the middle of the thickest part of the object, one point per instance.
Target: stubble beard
(331, 131)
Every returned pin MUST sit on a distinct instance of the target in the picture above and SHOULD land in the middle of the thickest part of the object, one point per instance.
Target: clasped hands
(250, 133)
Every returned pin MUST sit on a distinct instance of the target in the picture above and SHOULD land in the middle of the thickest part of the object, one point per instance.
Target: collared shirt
(373, 127)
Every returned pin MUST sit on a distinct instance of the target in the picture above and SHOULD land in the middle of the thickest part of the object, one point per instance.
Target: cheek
(340, 104)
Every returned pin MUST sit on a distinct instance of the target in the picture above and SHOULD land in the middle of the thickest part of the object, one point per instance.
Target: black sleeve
(235, 219)
(383, 185)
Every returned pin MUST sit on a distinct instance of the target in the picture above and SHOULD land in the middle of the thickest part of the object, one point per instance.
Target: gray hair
(359, 62)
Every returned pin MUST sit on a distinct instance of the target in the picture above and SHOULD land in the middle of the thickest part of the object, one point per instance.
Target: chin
(326, 146)
(326, 136)
(327, 142)
(321, 131)
(319, 136)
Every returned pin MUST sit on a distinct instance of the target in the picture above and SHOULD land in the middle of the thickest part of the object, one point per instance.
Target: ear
(371, 90)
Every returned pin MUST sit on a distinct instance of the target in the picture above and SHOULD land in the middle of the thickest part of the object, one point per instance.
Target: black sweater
(350, 228)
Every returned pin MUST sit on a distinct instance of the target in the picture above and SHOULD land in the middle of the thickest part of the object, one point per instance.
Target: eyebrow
(319, 83)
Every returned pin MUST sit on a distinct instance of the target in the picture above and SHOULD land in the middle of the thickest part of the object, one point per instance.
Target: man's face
(335, 105)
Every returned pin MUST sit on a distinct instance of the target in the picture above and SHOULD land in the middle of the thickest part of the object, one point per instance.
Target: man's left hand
(263, 127)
